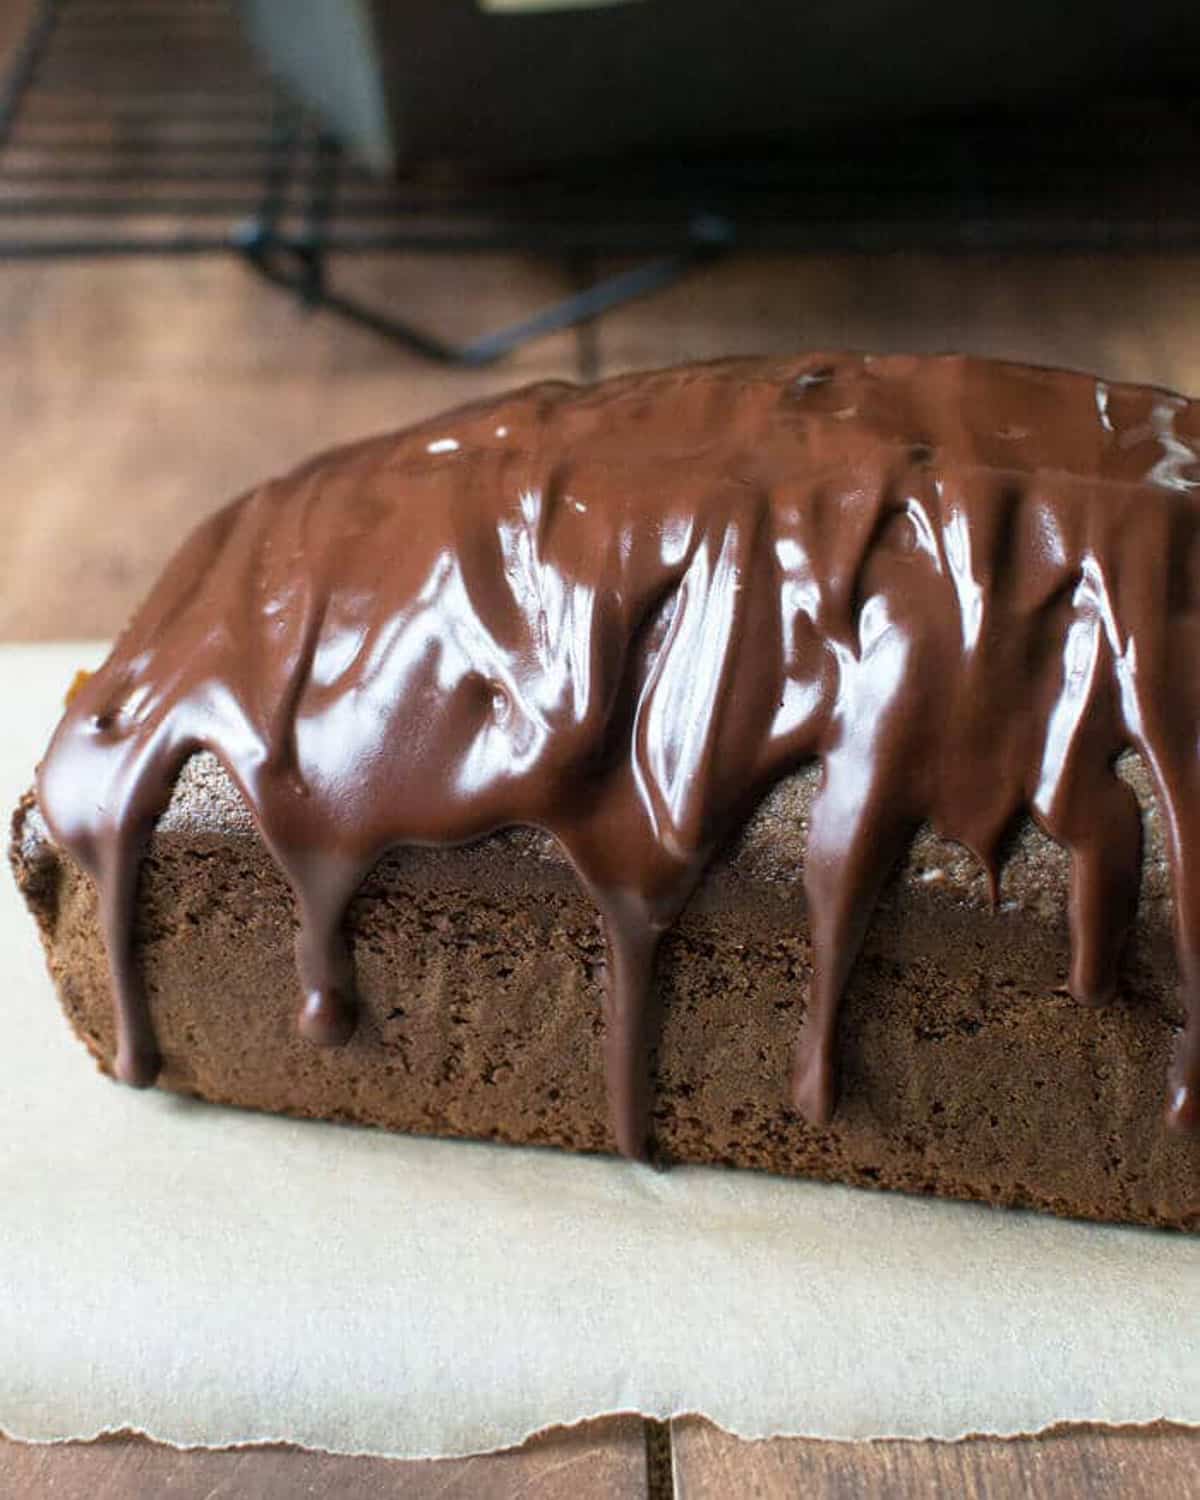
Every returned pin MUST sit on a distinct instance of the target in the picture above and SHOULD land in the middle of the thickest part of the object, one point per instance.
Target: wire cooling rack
(150, 127)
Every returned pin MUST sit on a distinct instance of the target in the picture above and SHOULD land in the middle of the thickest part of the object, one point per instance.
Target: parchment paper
(211, 1277)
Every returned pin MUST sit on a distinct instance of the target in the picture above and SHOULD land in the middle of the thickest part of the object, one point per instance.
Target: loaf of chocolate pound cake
(800, 757)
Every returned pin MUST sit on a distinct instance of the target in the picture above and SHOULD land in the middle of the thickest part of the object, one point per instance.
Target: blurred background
(233, 233)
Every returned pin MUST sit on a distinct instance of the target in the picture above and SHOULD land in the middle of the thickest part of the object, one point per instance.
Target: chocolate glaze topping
(620, 613)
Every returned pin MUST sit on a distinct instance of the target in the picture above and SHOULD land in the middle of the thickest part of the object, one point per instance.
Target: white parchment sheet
(210, 1277)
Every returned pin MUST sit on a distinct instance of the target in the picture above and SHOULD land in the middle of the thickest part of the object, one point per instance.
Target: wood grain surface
(137, 396)
(1129, 317)
(602, 1460)
(1133, 1464)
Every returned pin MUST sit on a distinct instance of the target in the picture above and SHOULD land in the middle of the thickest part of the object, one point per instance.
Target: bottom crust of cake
(966, 1069)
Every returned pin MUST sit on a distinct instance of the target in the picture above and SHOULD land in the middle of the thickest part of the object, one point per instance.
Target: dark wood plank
(15, 16)
(1131, 317)
(1090, 1464)
(136, 397)
(602, 1460)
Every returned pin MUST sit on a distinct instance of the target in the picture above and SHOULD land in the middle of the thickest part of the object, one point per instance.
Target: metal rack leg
(14, 83)
(580, 307)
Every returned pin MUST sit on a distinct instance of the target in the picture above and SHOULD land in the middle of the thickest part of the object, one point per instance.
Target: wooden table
(135, 397)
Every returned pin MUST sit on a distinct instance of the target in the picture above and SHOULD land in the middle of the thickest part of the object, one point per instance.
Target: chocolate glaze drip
(620, 613)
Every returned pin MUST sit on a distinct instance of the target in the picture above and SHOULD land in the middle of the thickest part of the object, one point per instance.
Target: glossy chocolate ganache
(620, 613)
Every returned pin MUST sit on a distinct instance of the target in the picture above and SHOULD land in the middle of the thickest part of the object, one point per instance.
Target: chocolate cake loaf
(800, 755)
